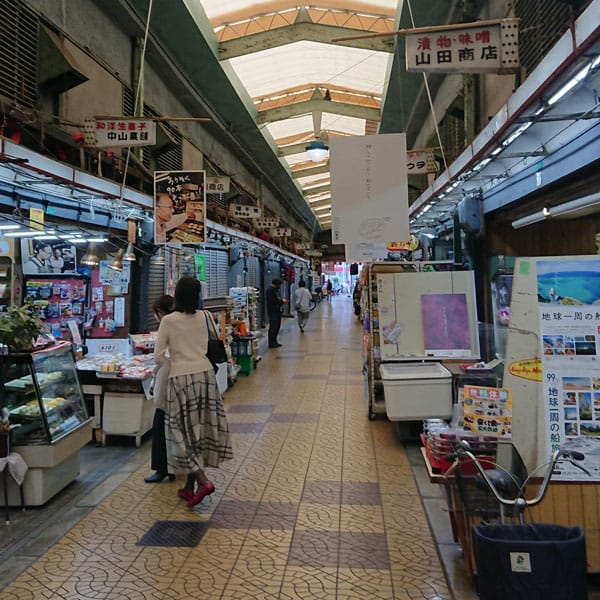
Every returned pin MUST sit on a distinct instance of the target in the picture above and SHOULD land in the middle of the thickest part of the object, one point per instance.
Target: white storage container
(415, 391)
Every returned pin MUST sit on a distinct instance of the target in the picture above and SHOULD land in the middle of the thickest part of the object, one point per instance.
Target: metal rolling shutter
(156, 288)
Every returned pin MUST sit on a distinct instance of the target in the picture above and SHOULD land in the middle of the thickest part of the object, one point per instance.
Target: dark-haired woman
(196, 429)
(158, 458)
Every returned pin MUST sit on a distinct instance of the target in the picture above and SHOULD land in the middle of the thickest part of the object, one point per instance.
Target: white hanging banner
(478, 47)
(369, 194)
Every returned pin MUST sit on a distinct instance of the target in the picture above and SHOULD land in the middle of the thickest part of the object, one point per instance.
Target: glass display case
(42, 394)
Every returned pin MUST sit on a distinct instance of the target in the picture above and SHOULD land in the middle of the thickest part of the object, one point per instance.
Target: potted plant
(20, 328)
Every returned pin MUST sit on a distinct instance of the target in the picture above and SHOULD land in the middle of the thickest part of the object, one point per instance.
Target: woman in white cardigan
(196, 427)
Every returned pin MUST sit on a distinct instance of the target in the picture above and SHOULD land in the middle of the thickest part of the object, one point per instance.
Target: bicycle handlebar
(520, 502)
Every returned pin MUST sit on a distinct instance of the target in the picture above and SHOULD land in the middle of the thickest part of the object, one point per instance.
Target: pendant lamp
(117, 263)
(317, 151)
(90, 258)
(129, 253)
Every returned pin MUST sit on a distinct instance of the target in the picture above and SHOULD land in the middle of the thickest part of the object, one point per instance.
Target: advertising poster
(179, 207)
(568, 293)
(446, 324)
(48, 257)
(488, 411)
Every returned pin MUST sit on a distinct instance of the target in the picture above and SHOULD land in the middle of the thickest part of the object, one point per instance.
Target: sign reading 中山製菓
(115, 132)
(478, 47)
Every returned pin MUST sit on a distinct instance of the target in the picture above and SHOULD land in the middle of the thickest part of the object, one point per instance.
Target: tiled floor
(319, 502)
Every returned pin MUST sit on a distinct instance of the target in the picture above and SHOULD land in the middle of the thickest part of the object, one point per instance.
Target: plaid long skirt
(196, 429)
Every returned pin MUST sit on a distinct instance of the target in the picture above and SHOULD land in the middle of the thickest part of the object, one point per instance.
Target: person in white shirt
(165, 218)
(56, 261)
(302, 298)
(196, 429)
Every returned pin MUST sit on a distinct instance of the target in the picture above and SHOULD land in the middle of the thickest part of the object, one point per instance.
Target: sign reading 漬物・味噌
(488, 411)
(478, 47)
(568, 294)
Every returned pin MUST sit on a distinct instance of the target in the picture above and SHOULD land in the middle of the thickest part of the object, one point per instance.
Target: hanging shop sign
(568, 293)
(267, 222)
(36, 218)
(420, 162)
(303, 246)
(218, 185)
(179, 207)
(245, 211)
(313, 253)
(116, 132)
(478, 47)
(281, 231)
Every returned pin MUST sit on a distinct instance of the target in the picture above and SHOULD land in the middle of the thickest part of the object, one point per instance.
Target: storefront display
(48, 417)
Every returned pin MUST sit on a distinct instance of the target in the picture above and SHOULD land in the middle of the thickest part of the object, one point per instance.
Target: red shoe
(207, 489)
(185, 494)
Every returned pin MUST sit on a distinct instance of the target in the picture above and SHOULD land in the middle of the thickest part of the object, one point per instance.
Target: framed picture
(48, 257)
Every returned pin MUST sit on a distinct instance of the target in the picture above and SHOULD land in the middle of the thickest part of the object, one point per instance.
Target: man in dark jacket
(274, 305)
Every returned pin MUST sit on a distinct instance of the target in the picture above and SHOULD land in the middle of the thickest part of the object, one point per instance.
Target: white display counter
(415, 391)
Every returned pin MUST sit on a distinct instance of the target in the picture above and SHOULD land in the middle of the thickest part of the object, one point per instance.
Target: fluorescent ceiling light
(48, 236)
(536, 217)
(24, 233)
(515, 134)
(565, 89)
(577, 205)
(3, 227)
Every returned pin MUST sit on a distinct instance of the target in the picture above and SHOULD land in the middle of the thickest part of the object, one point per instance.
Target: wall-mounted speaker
(470, 216)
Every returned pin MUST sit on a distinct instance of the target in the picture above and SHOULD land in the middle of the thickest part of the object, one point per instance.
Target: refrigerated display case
(49, 421)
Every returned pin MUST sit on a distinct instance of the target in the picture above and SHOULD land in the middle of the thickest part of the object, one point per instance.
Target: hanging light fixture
(117, 263)
(129, 253)
(158, 258)
(90, 258)
(317, 151)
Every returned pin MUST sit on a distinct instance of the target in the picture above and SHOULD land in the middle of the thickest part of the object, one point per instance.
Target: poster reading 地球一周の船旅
(568, 293)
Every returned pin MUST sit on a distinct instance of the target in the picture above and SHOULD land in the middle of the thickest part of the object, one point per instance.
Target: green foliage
(19, 328)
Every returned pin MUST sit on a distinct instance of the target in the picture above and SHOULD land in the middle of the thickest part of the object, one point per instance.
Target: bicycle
(317, 296)
(501, 478)
(524, 561)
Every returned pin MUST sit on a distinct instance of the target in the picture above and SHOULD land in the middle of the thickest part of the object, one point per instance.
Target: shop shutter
(19, 28)
(156, 288)
(217, 271)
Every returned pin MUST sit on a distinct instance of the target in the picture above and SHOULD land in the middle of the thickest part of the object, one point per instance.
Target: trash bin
(530, 562)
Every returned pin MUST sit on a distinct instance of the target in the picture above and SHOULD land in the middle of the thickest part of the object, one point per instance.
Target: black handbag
(216, 348)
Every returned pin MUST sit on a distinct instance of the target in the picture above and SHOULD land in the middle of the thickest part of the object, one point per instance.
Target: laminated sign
(244, 211)
(117, 132)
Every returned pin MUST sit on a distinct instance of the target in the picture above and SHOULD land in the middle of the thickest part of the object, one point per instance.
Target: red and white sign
(119, 132)
(218, 185)
(479, 47)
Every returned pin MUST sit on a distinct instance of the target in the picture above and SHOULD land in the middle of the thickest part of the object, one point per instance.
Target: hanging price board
(245, 211)
(217, 185)
(267, 222)
(281, 231)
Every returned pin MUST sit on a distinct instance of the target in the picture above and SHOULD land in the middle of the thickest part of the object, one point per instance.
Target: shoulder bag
(216, 348)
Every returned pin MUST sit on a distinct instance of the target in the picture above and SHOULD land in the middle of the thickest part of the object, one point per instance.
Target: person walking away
(158, 457)
(302, 298)
(274, 305)
(329, 290)
(196, 429)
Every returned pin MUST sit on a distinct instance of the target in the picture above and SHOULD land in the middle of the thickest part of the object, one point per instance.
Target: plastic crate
(246, 364)
(241, 347)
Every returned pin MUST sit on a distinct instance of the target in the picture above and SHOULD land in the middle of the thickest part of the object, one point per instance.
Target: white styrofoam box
(415, 391)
